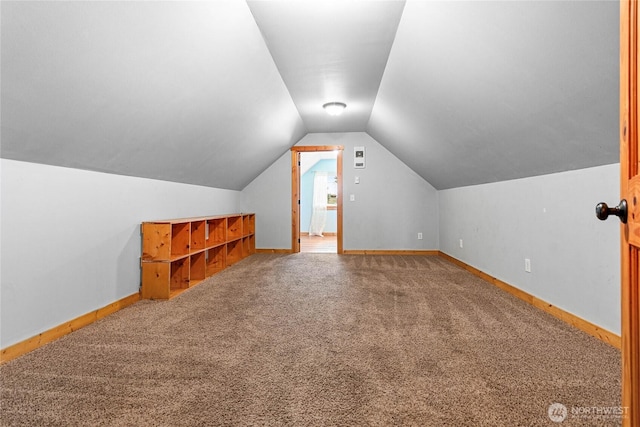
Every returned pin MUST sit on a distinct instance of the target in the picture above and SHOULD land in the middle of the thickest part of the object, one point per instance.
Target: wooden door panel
(630, 232)
(633, 203)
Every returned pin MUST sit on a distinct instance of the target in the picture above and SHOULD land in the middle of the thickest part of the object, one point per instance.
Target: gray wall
(71, 239)
(550, 219)
(269, 197)
(389, 208)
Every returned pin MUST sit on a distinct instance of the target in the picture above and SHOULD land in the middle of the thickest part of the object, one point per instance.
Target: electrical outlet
(419, 236)
(461, 245)
(527, 265)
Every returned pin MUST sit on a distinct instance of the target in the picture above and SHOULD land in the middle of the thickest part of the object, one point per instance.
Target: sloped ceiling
(179, 91)
(212, 93)
(478, 92)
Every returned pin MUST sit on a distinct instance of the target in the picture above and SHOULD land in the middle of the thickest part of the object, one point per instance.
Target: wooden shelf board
(195, 218)
(197, 251)
(173, 259)
(215, 245)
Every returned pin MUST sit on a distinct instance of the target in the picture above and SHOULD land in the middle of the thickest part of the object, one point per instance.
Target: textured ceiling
(211, 93)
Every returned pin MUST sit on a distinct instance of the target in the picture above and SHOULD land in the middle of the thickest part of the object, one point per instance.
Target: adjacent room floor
(319, 244)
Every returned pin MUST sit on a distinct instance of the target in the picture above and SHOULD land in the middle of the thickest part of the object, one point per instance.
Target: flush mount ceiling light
(334, 108)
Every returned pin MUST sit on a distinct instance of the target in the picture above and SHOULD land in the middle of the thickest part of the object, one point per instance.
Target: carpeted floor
(318, 340)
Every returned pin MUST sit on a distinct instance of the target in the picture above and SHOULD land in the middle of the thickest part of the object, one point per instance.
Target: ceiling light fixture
(334, 108)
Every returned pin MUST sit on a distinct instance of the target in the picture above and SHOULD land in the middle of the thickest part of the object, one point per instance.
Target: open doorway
(316, 199)
(318, 202)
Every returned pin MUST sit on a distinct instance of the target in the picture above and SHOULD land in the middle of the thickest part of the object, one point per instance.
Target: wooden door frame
(630, 232)
(295, 192)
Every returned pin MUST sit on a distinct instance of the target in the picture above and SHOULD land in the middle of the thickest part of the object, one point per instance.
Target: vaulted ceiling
(212, 93)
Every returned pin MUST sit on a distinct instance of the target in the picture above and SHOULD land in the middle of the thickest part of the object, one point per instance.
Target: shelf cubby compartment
(217, 228)
(162, 279)
(180, 239)
(251, 245)
(234, 251)
(180, 274)
(216, 257)
(164, 241)
(198, 271)
(234, 227)
(252, 223)
(246, 246)
(245, 225)
(198, 235)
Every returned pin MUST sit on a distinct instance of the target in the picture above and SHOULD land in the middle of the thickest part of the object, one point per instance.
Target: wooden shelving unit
(180, 253)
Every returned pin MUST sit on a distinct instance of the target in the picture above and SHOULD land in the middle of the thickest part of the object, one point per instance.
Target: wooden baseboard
(273, 251)
(30, 344)
(582, 324)
(389, 252)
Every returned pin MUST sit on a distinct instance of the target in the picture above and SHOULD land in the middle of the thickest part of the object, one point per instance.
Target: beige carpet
(315, 340)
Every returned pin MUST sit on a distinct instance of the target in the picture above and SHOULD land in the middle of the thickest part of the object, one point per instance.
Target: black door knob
(603, 211)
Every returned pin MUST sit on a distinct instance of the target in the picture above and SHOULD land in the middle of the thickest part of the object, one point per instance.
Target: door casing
(630, 232)
(295, 192)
